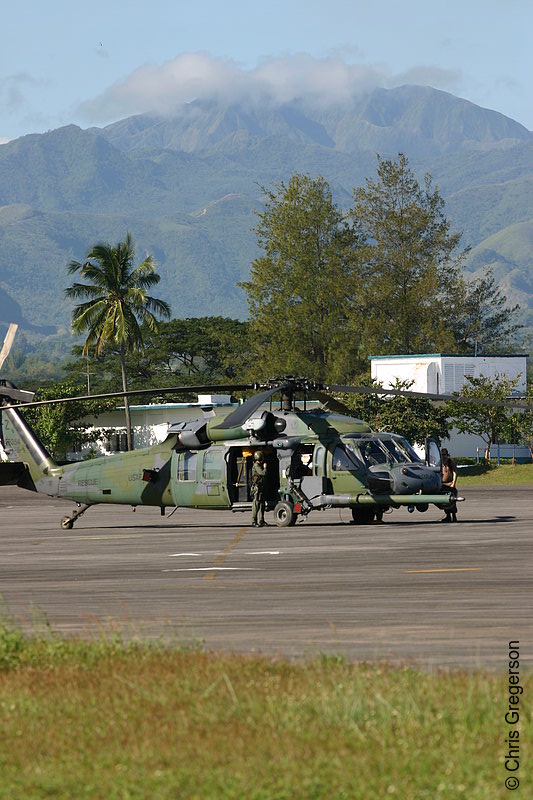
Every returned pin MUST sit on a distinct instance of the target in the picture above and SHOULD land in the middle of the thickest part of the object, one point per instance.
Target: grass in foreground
(108, 719)
(493, 475)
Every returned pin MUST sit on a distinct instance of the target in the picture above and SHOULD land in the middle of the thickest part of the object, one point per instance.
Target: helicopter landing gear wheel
(363, 516)
(284, 514)
(67, 523)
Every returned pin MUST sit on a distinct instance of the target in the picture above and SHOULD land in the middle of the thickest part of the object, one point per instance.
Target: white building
(445, 373)
(149, 423)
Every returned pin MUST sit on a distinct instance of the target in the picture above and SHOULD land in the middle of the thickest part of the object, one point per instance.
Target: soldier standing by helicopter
(449, 480)
(258, 489)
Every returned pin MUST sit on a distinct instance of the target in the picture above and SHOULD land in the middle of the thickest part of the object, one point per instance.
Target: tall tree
(298, 289)
(489, 422)
(520, 423)
(331, 288)
(412, 262)
(200, 349)
(480, 318)
(116, 303)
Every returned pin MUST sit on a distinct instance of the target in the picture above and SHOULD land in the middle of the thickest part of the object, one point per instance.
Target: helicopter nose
(415, 478)
(404, 479)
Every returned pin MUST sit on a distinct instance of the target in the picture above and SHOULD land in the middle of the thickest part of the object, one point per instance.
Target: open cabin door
(239, 465)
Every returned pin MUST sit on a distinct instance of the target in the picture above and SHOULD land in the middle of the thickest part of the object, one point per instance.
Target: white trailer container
(445, 373)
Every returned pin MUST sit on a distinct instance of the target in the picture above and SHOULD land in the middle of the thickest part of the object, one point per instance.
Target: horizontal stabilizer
(11, 393)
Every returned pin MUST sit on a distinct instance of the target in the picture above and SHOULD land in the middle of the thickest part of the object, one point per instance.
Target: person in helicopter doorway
(257, 490)
(449, 481)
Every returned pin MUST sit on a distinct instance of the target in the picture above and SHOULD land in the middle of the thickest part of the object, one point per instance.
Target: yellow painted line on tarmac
(219, 560)
(236, 539)
(448, 569)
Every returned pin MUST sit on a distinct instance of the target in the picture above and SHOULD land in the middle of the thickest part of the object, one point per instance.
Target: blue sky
(93, 62)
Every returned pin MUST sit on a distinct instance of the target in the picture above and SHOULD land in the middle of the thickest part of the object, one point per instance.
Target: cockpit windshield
(383, 450)
(408, 449)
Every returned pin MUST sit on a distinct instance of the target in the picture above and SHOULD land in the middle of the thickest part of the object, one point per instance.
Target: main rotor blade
(132, 393)
(427, 396)
(332, 403)
(241, 414)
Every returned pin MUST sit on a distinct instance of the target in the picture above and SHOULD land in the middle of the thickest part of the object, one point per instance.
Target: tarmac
(411, 589)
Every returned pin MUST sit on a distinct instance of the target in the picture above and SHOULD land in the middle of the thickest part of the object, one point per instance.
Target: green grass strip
(493, 474)
(110, 719)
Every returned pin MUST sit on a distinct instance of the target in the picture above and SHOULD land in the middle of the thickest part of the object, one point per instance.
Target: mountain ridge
(425, 114)
(188, 188)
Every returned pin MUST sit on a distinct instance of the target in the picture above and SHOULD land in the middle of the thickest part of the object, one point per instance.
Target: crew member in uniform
(258, 489)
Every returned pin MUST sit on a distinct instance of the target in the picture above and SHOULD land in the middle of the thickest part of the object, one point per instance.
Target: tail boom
(21, 445)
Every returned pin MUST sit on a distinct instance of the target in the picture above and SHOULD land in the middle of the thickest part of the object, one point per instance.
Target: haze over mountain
(187, 187)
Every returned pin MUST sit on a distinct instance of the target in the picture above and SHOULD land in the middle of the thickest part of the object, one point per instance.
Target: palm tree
(116, 303)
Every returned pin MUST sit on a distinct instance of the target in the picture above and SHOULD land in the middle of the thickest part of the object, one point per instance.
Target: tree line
(330, 288)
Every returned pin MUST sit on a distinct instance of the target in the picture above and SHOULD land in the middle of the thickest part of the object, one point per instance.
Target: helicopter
(316, 459)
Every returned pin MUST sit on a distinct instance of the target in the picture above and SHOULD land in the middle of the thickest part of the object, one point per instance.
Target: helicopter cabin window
(187, 466)
(212, 465)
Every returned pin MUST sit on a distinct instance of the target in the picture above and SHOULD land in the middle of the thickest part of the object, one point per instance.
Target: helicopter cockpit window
(344, 460)
(396, 453)
(372, 453)
(383, 450)
(187, 466)
(408, 449)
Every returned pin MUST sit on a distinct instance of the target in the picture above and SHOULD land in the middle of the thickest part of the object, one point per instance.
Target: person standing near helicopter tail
(259, 469)
(449, 481)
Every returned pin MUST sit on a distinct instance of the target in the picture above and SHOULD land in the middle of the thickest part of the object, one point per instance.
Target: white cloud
(13, 90)
(18, 104)
(162, 89)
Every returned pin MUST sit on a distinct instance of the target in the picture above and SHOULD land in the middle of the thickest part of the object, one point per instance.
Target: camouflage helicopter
(316, 459)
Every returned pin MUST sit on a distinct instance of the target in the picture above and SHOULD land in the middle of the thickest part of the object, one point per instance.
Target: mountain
(408, 117)
(187, 188)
